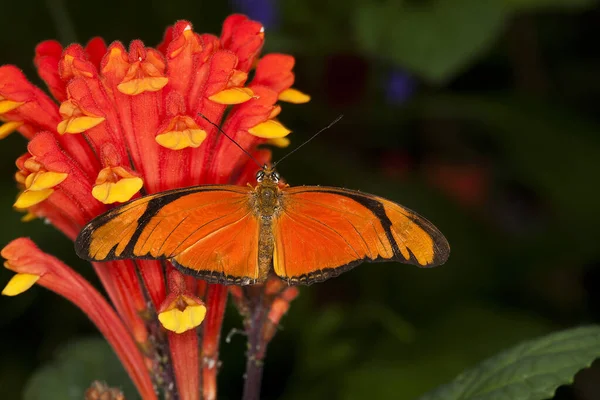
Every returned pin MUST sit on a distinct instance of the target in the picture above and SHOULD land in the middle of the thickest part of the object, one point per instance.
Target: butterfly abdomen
(265, 202)
(266, 245)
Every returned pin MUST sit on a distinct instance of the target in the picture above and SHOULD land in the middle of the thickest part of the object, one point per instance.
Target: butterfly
(238, 235)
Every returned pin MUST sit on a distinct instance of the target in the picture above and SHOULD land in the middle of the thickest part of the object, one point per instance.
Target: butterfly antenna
(230, 138)
(311, 138)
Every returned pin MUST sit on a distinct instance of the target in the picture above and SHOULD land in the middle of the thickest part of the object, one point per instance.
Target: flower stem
(256, 353)
(262, 307)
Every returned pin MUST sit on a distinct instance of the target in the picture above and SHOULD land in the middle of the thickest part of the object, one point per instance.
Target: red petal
(77, 188)
(39, 110)
(47, 55)
(167, 38)
(177, 283)
(183, 346)
(244, 38)
(185, 44)
(152, 273)
(230, 25)
(210, 43)
(275, 72)
(95, 50)
(216, 299)
(210, 78)
(174, 164)
(90, 96)
(74, 62)
(184, 358)
(244, 116)
(24, 256)
(120, 281)
(140, 115)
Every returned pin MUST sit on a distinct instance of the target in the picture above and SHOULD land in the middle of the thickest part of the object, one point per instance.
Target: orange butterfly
(237, 235)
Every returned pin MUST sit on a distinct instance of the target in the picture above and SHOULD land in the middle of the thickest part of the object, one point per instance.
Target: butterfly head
(267, 175)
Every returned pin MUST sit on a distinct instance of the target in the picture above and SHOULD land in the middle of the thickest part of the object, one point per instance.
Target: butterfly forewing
(207, 231)
(322, 232)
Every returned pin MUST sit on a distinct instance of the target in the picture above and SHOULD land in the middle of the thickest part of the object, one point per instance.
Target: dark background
(482, 115)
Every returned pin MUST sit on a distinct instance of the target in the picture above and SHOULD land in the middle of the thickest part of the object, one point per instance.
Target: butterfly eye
(260, 176)
(275, 177)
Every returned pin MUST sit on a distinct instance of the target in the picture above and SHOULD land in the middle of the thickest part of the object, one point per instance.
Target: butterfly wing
(207, 231)
(322, 232)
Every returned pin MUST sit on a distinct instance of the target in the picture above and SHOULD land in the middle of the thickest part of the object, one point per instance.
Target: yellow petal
(177, 140)
(120, 191)
(30, 198)
(78, 124)
(147, 84)
(294, 96)
(269, 129)
(279, 142)
(237, 78)
(44, 180)
(275, 111)
(28, 217)
(179, 321)
(7, 105)
(19, 284)
(9, 127)
(235, 95)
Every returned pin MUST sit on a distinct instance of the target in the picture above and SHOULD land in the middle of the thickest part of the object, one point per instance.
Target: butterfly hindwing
(322, 232)
(207, 231)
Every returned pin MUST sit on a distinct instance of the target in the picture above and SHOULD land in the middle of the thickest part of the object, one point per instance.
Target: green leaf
(436, 39)
(74, 369)
(530, 371)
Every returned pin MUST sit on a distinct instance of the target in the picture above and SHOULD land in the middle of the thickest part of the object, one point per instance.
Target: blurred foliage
(434, 39)
(76, 366)
(497, 146)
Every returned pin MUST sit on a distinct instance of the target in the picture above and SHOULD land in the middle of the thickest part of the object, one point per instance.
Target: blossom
(400, 86)
(125, 122)
(265, 11)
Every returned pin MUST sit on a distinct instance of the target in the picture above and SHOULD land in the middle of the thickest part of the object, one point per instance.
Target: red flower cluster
(130, 122)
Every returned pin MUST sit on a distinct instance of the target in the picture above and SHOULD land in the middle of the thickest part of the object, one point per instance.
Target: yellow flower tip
(19, 284)
(180, 321)
(147, 84)
(29, 198)
(28, 217)
(275, 111)
(20, 177)
(294, 96)
(270, 129)
(177, 140)
(44, 180)
(78, 124)
(236, 95)
(237, 78)
(279, 142)
(8, 105)
(9, 127)
(117, 192)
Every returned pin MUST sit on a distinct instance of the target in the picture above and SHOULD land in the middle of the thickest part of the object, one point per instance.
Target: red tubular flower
(127, 122)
